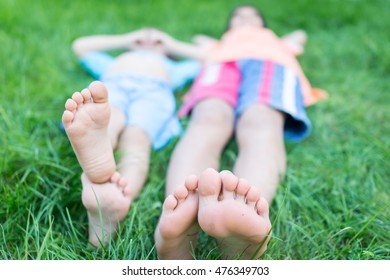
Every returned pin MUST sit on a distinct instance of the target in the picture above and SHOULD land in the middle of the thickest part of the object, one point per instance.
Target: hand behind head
(150, 39)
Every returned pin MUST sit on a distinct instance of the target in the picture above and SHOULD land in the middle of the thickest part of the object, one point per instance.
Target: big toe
(209, 185)
(99, 92)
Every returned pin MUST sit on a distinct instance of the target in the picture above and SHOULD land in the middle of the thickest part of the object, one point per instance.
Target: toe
(67, 118)
(170, 203)
(181, 193)
(209, 184)
(115, 177)
(98, 92)
(229, 184)
(122, 182)
(77, 97)
(86, 95)
(242, 190)
(191, 183)
(70, 105)
(262, 207)
(252, 197)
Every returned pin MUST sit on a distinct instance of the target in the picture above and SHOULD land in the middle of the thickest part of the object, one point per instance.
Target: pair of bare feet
(105, 194)
(222, 205)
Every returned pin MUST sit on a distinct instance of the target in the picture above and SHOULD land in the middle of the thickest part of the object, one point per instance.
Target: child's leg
(134, 148)
(261, 159)
(210, 127)
(116, 125)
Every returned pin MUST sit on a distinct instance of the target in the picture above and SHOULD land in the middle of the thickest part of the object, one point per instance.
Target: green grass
(334, 201)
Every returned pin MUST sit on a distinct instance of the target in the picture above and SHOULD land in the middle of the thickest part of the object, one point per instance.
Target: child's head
(246, 15)
(149, 40)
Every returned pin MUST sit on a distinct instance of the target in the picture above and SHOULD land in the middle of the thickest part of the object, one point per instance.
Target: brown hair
(260, 14)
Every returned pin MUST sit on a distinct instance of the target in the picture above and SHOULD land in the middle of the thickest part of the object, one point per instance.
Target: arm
(296, 40)
(175, 47)
(203, 40)
(87, 44)
(178, 48)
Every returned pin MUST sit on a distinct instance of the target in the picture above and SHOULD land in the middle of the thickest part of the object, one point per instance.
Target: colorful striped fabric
(251, 81)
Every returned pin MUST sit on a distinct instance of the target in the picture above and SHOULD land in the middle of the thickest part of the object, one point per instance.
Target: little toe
(229, 184)
(262, 207)
(67, 118)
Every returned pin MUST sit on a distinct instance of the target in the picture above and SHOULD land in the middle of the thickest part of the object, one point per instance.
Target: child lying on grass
(251, 86)
(131, 109)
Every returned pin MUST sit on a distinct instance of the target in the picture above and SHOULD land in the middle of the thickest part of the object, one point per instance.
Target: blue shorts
(147, 102)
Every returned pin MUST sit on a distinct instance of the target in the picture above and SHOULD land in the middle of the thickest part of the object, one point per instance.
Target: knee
(210, 119)
(213, 115)
(260, 121)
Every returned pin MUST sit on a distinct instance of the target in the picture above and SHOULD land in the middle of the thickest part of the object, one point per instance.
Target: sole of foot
(107, 205)
(177, 230)
(85, 119)
(233, 212)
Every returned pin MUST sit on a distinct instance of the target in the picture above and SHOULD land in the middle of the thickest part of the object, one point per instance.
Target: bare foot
(233, 212)
(177, 230)
(107, 205)
(86, 120)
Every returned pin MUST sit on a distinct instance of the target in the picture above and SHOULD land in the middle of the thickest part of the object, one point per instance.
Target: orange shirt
(262, 43)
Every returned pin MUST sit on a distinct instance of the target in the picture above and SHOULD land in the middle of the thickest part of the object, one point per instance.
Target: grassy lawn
(334, 202)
